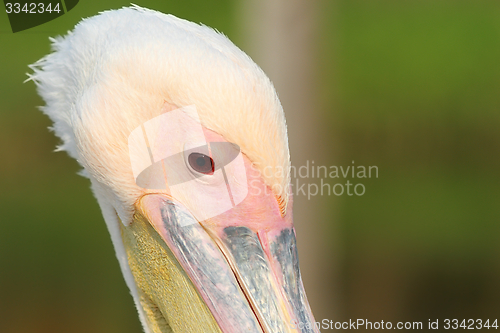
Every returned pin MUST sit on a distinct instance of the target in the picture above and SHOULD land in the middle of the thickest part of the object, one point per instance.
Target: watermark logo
(359, 324)
(170, 152)
(312, 180)
(28, 14)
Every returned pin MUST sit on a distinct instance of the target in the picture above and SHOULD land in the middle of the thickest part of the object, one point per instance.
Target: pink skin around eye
(260, 210)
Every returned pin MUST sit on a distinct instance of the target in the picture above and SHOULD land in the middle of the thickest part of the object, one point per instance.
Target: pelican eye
(201, 163)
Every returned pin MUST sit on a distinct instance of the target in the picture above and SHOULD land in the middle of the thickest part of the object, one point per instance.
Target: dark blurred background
(412, 87)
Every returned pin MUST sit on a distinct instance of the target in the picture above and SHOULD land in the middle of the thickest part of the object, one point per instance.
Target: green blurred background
(412, 87)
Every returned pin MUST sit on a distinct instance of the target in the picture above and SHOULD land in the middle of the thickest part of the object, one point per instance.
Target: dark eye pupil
(201, 163)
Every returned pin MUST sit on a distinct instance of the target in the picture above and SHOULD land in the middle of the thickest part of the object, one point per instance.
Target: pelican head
(184, 141)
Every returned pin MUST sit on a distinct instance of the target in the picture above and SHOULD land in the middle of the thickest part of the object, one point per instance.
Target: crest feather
(114, 71)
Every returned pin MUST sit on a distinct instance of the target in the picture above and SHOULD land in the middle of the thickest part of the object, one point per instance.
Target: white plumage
(120, 67)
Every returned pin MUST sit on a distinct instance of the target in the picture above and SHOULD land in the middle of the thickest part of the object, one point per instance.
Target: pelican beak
(225, 275)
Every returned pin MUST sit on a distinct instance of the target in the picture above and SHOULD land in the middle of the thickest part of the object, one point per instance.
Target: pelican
(184, 141)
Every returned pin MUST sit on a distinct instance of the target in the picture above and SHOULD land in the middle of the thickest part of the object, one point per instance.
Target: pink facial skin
(260, 210)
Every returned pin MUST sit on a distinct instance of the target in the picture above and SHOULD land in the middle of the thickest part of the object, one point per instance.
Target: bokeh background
(412, 87)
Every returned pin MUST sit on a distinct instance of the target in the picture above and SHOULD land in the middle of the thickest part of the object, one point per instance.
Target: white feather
(115, 70)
